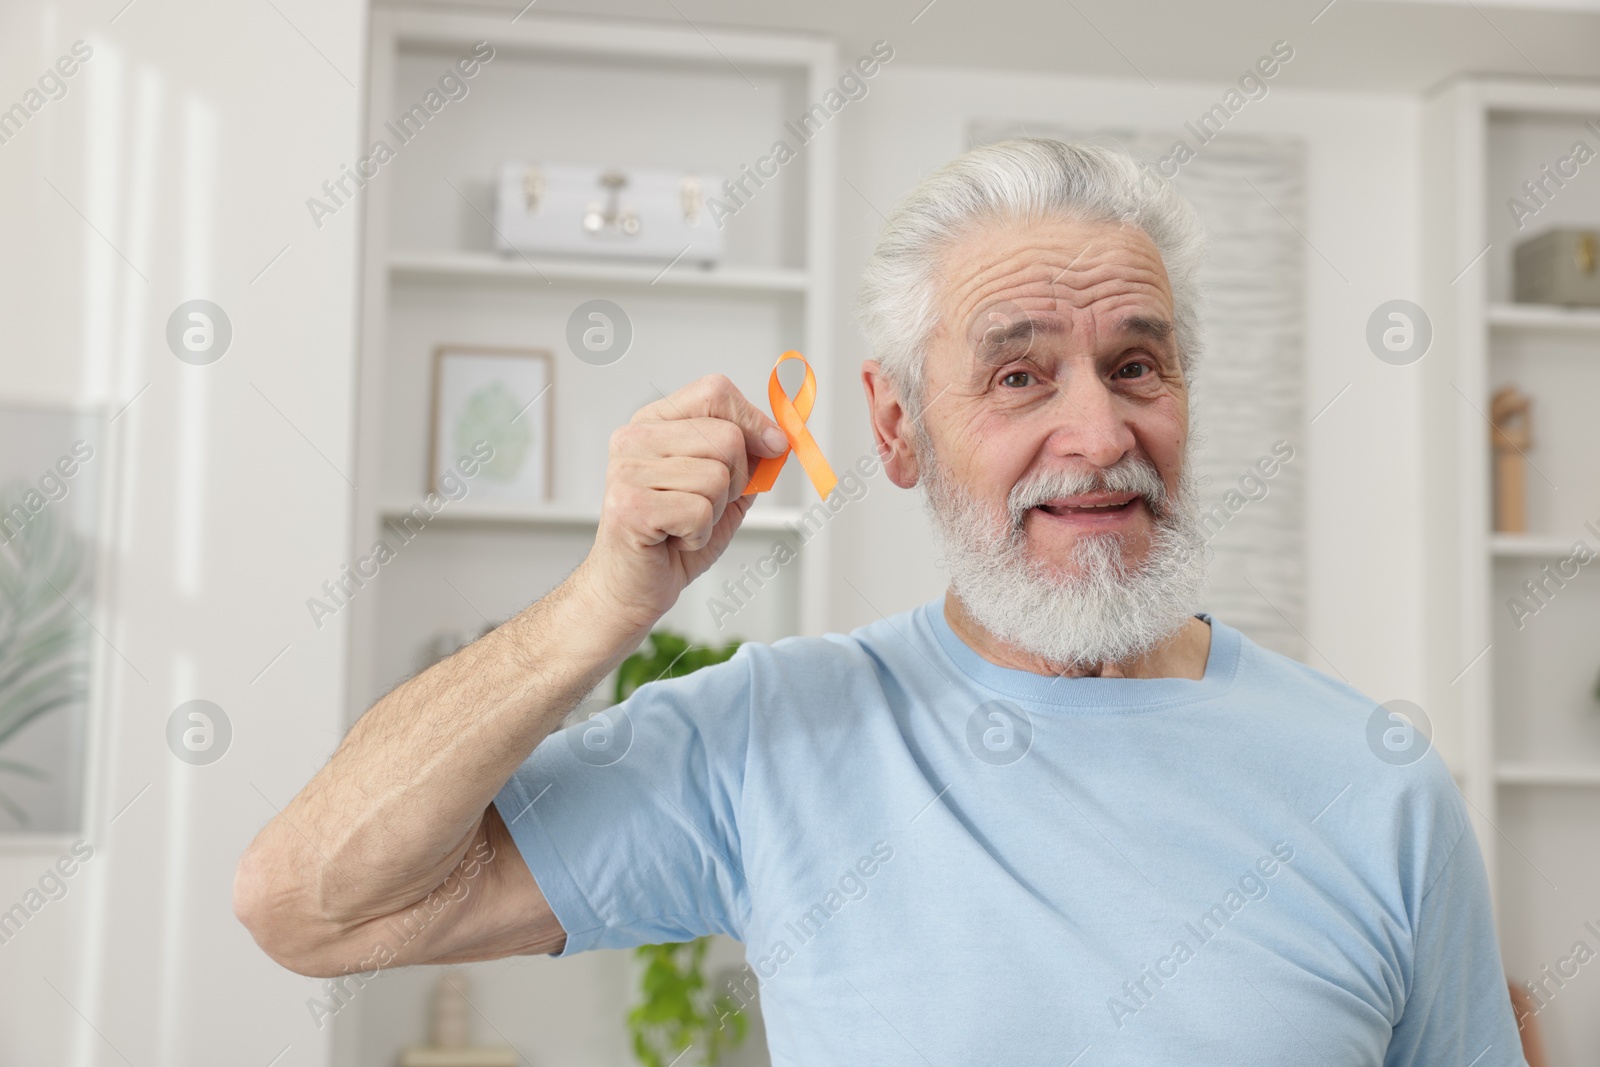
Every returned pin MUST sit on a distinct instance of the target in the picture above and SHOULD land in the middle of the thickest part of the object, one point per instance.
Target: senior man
(1054, 816)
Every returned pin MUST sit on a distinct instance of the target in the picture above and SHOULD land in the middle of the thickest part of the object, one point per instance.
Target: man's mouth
(1089, 504)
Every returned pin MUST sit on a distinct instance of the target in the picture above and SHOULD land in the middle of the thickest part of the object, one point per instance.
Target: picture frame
(53, 472)
(501, 396)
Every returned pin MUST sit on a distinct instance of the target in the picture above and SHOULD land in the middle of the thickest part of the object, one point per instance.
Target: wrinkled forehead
(1005, 332)
(1003, 283)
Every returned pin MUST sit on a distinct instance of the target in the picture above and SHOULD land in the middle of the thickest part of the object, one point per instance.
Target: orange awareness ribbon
(791, 417)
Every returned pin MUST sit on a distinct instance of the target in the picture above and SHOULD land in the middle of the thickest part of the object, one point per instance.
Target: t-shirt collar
(1088, 694)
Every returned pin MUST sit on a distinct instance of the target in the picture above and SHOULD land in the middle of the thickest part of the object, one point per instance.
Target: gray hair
(1021, 180)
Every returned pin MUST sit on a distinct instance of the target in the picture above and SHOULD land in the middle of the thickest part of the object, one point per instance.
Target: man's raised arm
(401, 816)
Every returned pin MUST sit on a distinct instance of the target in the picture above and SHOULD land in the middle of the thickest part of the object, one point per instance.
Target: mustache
(1130, 474)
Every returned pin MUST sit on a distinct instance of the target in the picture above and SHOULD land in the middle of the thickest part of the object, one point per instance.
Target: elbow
(270, 904)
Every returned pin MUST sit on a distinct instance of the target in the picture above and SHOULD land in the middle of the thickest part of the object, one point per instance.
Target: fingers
(710, 478)
(651, 516)
(691, 455)
(716, 397)
(689, 517)
(680, 462)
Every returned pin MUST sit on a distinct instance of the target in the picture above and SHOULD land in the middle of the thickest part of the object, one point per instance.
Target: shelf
(1536, 774)
(481, 266)
(1530, 546)
(557, 516)
(1544, 317)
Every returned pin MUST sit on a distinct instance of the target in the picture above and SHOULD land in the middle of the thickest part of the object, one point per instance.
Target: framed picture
(50, 463)
(498, 397)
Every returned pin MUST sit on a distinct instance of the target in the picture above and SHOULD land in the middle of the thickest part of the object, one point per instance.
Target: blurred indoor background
(237, 337)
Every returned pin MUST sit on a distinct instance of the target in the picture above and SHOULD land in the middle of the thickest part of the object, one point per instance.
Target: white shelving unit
(579, 91)
(1536, 317)
(1525, 774)
(1529, 546)
(759, 518)
(484, 266)
(599, 92)
(1511, 699)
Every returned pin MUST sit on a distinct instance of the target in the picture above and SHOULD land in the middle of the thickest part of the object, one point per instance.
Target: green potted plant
(676, 1009)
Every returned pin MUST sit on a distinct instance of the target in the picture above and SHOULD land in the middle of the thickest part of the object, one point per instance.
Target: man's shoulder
(1384, 747)
(1298, 689)
(796, 664)
(873, 646)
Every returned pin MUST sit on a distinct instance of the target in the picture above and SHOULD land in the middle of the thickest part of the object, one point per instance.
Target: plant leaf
(43, 640)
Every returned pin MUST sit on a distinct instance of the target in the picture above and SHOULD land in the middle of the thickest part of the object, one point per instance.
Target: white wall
(1362, 454)
(176, 166)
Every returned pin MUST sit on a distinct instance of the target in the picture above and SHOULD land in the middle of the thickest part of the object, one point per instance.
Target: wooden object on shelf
(1510, 436)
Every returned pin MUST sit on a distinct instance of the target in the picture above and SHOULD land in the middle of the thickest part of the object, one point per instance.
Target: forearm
(396, 808)
(408, 793)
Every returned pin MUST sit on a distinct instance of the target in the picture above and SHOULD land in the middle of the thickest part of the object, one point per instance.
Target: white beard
(1091, 608)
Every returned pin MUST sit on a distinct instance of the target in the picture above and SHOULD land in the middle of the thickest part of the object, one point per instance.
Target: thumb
(762, 436)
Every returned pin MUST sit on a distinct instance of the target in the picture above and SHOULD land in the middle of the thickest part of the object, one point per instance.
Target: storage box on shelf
(1511, 690)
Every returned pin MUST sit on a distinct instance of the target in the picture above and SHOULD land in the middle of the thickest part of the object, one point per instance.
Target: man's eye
(1133, 370)
(1009, 382)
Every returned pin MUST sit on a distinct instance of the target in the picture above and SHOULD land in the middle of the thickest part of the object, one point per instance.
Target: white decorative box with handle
(568, 209)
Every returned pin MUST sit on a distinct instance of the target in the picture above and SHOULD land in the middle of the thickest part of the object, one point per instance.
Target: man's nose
(1090, 423)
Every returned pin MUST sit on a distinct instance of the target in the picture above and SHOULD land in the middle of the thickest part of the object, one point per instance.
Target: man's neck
(1183, 655)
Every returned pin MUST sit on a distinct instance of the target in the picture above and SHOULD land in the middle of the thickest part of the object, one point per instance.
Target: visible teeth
(1082, 507)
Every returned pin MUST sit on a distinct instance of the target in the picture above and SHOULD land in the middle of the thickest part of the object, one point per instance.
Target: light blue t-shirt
(934, 860)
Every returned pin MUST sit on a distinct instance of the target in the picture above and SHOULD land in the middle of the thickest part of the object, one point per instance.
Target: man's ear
(890, 426)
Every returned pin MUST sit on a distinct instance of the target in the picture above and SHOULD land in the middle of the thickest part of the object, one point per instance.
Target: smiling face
(1053, 383)
(1051, 442)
